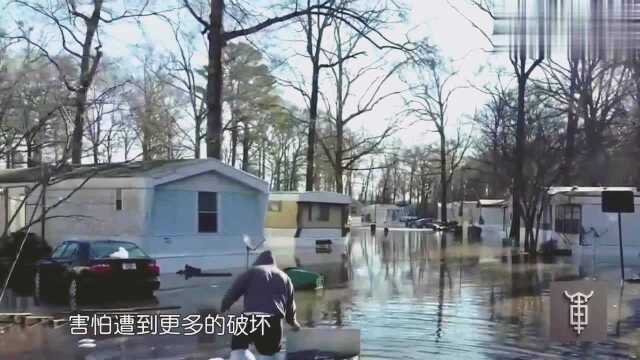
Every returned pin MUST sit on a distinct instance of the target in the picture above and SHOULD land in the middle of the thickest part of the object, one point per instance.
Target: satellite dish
(253, 242)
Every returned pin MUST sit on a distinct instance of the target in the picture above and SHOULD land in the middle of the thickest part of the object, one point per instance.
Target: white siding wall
(90, 214)
(15, 199)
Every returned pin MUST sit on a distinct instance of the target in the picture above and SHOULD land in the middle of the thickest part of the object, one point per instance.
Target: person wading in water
(268, 292)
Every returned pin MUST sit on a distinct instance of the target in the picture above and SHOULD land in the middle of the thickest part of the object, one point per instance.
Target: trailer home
(200, 213)
(307, 228)
(578, 222)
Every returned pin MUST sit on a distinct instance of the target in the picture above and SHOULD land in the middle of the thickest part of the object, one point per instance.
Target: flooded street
(413, 294)
(416, 296)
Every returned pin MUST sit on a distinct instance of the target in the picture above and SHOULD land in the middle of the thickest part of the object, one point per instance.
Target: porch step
(13, 317)
(28, 319)
(37, 319)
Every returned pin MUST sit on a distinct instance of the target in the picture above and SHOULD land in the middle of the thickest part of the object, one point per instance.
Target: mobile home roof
(312, 196)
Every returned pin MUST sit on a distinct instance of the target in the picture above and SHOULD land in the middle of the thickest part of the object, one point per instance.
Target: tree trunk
(293, 184)
(338, 165)
(495, 175)
(311, 136)
(88, 70)
(78, 126)
(443, 177)
(234, 139)
(96, 142)
(411, 175)
(146, 144)
(636, 73)
(214, 80)
(246, 146)
(95, 154)
(30, 154)
(263, 163)
(572, 129)
(339, 173)
(198, 135)
(593, 160)
(518, 184)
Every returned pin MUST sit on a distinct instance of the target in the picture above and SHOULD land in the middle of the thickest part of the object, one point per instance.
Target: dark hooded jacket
(266, 289)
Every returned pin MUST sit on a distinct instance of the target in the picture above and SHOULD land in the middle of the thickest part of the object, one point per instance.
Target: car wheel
(147, 294)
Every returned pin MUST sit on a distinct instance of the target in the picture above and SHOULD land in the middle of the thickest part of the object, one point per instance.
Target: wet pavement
(413, 294)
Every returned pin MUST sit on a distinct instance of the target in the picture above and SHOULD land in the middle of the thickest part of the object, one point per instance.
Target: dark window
(57, 253)
(321, 212)
(546, 219)
(118, 199)
(70, 251)
(324, 212)
(568, 219)
(207, 212)
(275, 206)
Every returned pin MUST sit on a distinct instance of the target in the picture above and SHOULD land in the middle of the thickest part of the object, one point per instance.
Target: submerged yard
(413, 294)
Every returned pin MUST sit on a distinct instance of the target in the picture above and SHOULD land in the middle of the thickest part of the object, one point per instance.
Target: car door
(47, 266)
(62, 266)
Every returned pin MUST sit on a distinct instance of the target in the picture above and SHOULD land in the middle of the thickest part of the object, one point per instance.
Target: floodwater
(413, 294)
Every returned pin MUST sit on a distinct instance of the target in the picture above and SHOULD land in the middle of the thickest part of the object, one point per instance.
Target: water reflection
(420, 294)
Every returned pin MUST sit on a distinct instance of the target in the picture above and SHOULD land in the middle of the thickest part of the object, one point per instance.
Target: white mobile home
(579, 223)
(469, 211)
(195, 212)
(387, 215)
(355, 214)
(493, 218)
(492, 212)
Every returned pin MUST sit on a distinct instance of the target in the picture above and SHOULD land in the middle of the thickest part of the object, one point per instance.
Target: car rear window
(116, 250)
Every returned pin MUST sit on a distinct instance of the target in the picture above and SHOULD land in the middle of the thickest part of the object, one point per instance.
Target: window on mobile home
(118, 199)
(568, 218)
(319, 212)
(275, 206)
(207, 212)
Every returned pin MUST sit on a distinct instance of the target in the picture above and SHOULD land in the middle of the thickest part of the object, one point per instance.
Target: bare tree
(154, 108)
(430, 101)
(343, 155)
(106, 98)
(520, 53)
(592, 90)
(186, 76)
(493, 119)
(218, 36)
(79, 36)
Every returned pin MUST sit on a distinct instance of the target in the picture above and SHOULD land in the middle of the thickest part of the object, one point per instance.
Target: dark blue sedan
(77, 269)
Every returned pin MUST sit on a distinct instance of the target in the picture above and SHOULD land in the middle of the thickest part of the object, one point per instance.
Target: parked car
(421, 223)
(408, 219)
(435, 226)
(81, 268)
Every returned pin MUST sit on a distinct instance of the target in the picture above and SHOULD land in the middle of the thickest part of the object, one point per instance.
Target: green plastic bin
(304, 279)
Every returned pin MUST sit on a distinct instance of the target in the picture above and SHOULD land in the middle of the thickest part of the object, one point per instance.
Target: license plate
(128, 266)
